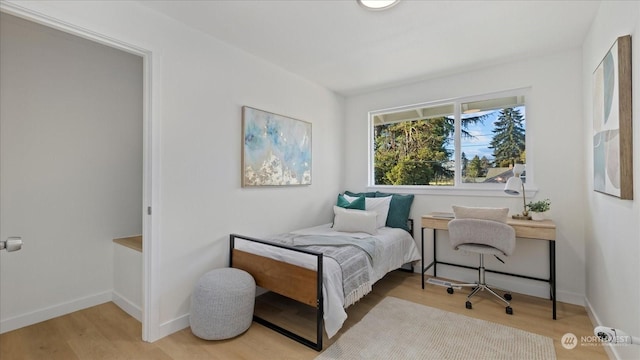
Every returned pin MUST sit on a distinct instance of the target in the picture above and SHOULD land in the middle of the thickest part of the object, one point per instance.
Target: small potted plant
(538, 209)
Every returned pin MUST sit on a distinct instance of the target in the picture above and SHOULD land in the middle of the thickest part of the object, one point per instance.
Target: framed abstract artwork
(612, 122)
(276, 149)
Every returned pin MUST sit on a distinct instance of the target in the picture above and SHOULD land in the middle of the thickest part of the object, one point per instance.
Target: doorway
(73, 167)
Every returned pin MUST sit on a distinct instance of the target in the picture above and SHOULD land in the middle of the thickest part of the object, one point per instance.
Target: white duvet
(398, 248)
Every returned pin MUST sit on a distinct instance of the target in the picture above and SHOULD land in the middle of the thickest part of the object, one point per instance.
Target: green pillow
(399, 210)
(365, 194)
(357, 204)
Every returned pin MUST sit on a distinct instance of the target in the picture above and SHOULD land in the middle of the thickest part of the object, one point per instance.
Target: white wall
(612, 226)
(554, 124)
(199, 85)
(71, 168)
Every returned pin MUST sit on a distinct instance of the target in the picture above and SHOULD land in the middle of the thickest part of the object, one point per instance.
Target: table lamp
(515, 186)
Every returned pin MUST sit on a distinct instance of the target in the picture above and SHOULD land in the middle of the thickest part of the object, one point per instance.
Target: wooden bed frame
(293, 281)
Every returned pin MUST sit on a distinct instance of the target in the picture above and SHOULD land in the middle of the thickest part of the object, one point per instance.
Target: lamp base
(521, 217)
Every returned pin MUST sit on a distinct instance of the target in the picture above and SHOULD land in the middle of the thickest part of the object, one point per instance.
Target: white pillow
(351, 220)
(379, 205)
(485, 213)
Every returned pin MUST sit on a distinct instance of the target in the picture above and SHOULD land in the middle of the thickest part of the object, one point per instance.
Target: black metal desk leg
(552, 274)
(422, 248)
(435, 262)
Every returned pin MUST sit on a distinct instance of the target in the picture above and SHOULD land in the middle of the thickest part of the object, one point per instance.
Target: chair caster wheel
(507, 297)
(468, 305)
(450, 290)
(509, 310)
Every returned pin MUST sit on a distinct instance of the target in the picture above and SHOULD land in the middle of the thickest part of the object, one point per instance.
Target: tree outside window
(417, 146)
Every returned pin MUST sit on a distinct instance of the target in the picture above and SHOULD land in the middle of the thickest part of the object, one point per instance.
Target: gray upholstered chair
(488, 235)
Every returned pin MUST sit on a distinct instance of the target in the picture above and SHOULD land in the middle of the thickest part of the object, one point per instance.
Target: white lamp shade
(513, 186)
(518, 169)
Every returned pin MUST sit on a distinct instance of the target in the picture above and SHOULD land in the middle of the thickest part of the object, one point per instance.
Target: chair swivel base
(481, 287)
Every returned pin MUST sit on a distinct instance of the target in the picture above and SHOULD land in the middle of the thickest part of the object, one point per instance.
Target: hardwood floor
(106, 332)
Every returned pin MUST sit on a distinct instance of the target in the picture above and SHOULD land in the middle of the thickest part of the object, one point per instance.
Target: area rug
(400, 329)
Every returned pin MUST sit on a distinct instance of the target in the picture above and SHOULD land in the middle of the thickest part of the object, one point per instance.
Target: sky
(482, 132)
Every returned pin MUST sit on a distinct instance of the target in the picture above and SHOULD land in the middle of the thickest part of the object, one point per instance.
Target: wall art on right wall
(612, 122)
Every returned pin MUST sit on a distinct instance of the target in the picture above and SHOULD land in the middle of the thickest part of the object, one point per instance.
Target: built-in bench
(127, 275)
(132, 242)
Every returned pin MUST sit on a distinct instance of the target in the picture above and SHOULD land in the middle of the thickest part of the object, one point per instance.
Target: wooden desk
(528, 229)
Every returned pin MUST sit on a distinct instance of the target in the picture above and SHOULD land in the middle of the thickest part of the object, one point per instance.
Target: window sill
(451, 191)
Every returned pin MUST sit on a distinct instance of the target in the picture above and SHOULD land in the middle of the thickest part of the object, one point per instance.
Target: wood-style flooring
(106, 332)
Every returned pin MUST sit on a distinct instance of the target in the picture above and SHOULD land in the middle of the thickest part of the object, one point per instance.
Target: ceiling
(351, 50)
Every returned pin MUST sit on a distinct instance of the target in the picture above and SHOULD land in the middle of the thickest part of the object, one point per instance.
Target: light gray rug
(400, 329)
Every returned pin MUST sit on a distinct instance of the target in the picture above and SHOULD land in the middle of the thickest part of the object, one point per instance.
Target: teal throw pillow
(365, 194)
(357, 204)
(399, 210)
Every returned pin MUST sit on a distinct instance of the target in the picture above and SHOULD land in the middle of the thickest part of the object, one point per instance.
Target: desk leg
(435, 262)
(552, 274)
(422, 248)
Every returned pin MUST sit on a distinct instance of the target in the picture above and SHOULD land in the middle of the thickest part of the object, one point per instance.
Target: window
(469, 142)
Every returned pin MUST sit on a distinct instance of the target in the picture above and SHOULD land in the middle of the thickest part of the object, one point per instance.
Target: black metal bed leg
(319, 306)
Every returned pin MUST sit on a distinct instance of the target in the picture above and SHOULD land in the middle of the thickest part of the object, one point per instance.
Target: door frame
(150, 160)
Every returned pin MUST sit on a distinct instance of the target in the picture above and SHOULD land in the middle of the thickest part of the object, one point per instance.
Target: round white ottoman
(222, 304)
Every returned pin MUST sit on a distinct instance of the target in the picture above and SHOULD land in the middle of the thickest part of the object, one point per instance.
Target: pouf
(222, 304)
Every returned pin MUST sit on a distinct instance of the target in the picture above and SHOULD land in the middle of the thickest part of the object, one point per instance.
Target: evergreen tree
(508, 141)
(485, 164)
(416, 152)
(465, 162)
(412, 152)
(474, 168)
(523, 157)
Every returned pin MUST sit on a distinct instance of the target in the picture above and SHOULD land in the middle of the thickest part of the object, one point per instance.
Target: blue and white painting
(606, 125)
(276, 149)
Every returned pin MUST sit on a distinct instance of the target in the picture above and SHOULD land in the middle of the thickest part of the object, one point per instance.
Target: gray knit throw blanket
(353, 256)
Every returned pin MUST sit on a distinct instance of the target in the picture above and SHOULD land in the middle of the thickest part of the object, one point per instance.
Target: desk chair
(484, 237)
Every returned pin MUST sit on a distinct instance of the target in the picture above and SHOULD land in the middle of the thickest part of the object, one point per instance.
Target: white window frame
(459, 187)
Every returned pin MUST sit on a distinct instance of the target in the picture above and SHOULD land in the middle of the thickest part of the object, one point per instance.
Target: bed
(315, 266)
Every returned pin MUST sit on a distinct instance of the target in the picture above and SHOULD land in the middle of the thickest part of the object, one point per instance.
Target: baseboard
(54, 311)
(172, 326)
(611, 351)
(571, 297)
(127, 306)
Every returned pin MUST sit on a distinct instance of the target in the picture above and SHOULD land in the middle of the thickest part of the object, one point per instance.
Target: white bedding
(398, 248)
